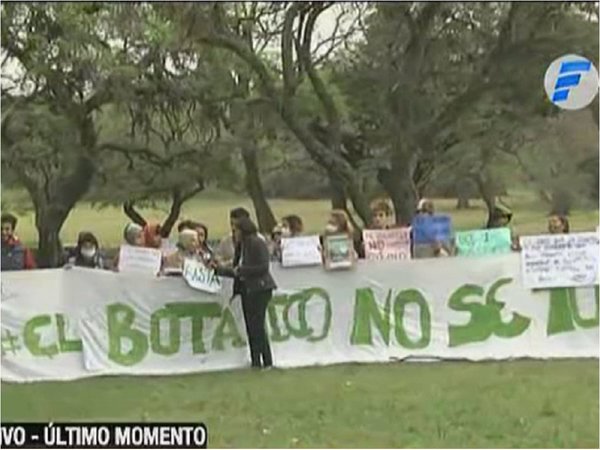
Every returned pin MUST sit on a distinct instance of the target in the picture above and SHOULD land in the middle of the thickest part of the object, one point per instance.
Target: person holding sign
(338, 242)
(501, 217)
(152, 235)
(558, 224)
(291, 226)
(187, 247)
(133, 236)
(425, 207)
(431, 236)
(254, 283)
(382, 213)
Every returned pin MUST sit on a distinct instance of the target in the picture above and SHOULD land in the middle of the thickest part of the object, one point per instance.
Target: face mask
(330, 228)
(88, 253)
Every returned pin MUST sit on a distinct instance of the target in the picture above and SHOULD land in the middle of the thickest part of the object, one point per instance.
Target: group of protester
(193, 238)
(244, 255)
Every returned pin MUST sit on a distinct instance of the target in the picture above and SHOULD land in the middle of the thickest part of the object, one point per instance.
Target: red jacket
(28, 259)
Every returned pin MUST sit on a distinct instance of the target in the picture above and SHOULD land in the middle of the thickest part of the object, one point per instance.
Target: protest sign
(200, 277)
(393, 244)
(139, 260)
(431, 229)
(560, 260)
(339, 252)
(300, 251)
(483, 242)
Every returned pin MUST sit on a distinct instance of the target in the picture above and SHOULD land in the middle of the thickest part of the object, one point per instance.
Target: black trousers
(254, 305)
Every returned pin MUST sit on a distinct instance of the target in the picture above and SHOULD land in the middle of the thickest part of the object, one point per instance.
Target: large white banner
(67, 324)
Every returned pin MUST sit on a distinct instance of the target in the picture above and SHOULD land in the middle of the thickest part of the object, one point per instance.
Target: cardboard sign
(560, 260)
(200, 277)
(431, 229)
(339, 252)
(393, 244)
(300, 251)
(139, 260)
(483, 242)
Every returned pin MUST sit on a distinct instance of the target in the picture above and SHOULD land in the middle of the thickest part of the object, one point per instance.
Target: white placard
(560, 260)
(139, 260)
(393, 244)
(200, 277)
(300, 251)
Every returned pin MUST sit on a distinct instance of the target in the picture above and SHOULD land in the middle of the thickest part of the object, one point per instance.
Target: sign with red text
(391, 244)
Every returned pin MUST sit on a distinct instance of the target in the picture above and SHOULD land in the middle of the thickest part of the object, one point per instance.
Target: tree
(559, 158)
(423, 66)
(214, 25)
(58, 67)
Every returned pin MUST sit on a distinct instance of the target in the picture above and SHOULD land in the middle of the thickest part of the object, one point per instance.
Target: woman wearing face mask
(87, 253)
(292, 226)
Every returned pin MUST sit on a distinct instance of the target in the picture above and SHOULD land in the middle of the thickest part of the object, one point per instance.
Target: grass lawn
(501, 404)
(212, 208)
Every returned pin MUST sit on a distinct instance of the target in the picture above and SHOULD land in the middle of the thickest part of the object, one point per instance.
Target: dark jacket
(15, 256)
(253, 273)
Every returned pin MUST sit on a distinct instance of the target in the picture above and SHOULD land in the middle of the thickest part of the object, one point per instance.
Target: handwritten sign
(300, 251)
(431, 229)
(484, 242)
(200, 277)
(339, 252)
(560, 260)
(139, 260)
(391, 244)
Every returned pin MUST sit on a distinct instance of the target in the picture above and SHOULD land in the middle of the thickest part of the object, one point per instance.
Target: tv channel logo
(571, 82)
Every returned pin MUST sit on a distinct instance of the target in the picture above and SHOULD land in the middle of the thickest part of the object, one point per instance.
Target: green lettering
(227, 329)
(197, 312)
(302, 298)
(120, 319)
(402, 299)
(276, 334)
(486, 319)
(66, 345)
(517, 325)
(366, 312)
(174, 332)
(590, 322)
(482, 319)
(564, 313)
(32, 338)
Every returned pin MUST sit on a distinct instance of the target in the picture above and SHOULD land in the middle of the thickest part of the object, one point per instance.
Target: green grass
(213, 208)
(501, 404)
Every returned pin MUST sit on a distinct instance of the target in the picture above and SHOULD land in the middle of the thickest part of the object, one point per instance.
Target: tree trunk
(463, 191)
(397, 182)
(488, 195)
(49, 220)
(338, 194)
(561, 201)
(264, 214)
(462, 202)
(177, 201)
(133, 214)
